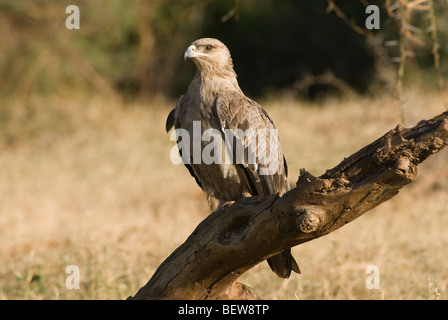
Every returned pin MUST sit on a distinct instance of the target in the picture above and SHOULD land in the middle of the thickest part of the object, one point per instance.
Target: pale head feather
(214, 70)
(211, 56)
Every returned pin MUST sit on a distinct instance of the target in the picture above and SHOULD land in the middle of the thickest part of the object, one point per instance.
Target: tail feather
(283, 263)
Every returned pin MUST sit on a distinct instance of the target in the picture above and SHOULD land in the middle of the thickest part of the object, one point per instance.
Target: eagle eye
(208, 47)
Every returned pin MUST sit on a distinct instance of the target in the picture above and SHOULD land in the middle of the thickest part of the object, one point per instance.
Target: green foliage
(135, 47)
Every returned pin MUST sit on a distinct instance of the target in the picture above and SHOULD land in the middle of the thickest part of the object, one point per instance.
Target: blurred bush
(134, 48)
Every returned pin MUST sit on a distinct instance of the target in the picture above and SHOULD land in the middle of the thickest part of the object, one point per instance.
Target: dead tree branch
(234, 239)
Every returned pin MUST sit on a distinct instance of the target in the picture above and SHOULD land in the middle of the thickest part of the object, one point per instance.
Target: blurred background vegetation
(133, 49)
(86, 177)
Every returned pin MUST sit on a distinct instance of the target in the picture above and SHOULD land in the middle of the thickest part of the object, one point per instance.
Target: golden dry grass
(89, 182)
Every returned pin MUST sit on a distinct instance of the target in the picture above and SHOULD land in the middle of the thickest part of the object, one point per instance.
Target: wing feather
(246, 120)
(171, 121)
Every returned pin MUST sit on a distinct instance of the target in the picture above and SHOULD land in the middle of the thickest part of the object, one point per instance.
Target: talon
(227, 204)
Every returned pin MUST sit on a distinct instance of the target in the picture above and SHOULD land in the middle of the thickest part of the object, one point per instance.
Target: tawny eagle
(216, 108)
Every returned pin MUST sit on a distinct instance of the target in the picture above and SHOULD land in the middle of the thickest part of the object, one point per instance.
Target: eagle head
(209, 54)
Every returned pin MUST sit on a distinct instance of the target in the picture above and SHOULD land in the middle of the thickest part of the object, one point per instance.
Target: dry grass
(89, 182)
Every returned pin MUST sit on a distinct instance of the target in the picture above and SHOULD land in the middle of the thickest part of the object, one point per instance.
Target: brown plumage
(215, 99)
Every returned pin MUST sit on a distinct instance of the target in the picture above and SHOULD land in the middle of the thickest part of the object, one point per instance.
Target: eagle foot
(227, 204)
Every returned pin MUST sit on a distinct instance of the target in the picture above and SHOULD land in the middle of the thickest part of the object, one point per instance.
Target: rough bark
(234, 239)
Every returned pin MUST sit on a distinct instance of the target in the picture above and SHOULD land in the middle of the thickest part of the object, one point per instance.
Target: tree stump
(236, 238)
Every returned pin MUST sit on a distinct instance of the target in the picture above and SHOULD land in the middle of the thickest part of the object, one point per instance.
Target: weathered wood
(234, 239)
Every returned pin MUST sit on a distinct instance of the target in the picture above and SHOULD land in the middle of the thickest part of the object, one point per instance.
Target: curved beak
(191, 52)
